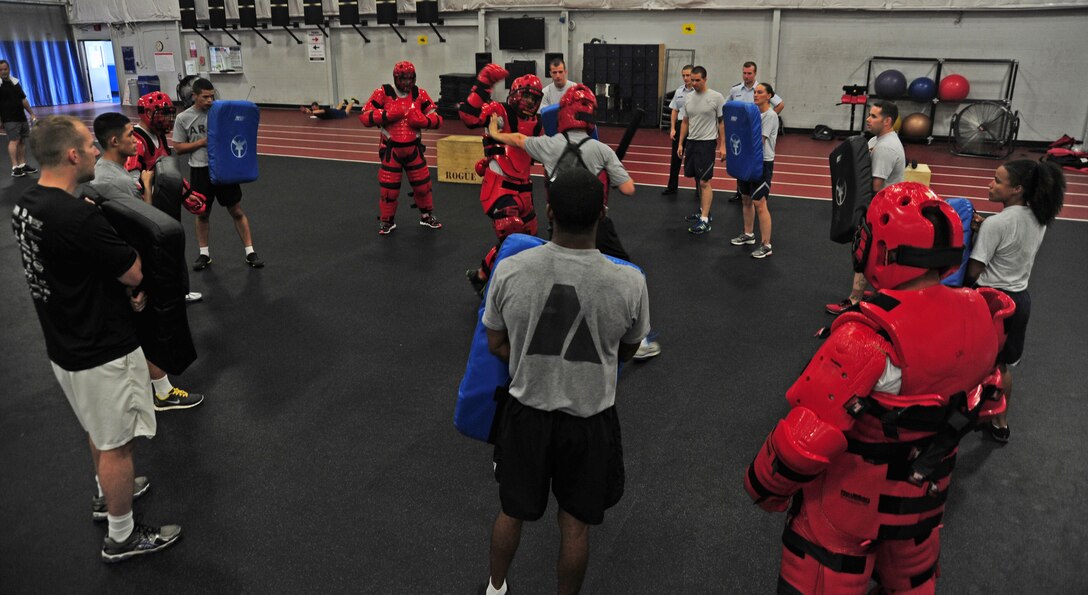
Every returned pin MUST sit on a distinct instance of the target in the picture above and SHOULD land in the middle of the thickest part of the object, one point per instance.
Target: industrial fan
(985, 129)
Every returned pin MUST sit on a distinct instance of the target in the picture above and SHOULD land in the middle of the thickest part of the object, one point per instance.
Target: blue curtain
(48, 71)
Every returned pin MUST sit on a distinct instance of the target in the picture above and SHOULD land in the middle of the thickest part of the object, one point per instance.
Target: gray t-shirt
(702, 112)
(888, 158)
(190, 126)
(553, 94)
(1007, 243)
(768, 121)
(595, 154)
(566, 312)
(113, 181)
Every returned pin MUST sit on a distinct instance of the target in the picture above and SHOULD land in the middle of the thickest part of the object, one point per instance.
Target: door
(101, 72)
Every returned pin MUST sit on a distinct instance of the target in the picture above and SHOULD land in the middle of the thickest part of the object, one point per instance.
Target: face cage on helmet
(400, 82)
(162, 118)
(526, 100)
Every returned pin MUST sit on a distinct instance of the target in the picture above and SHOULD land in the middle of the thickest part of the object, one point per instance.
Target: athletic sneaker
(762, 252)
(647, 349)
(478, 284)
(697, 215)
(386, 227)
(354, 100)
(143, 540)
(838, 308)
(254, 261)
(735, 197)
(28, 170)
(999, 434)
(699, 227)
(193, 297)
(668, 192)
(744, 238)
(202, 262)
(17, 172)
(98, 504)
(429, 220)
(177, 399)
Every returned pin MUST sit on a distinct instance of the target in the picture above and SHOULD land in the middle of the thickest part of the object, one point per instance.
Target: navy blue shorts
(1016, 328)
(699, 159)
(761, 188)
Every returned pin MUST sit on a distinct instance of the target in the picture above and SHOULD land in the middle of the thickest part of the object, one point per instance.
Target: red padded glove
(491, 74)
(416, 119)
(396, 111)
(193, 201)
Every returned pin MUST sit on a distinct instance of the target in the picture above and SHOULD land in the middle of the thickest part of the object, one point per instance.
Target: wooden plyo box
(457, 157)
(921, 174)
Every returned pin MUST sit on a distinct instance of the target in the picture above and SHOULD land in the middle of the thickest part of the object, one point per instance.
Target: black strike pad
(851, 187)
(163, 326)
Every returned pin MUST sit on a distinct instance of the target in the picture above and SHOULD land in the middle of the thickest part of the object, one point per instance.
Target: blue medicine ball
(891, 84)
(922, 89)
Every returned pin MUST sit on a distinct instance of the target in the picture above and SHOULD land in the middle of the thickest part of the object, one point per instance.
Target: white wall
(818, 52)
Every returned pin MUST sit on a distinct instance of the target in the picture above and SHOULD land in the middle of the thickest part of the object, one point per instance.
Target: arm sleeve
(616, 173)
(988, 240)
(492, 317)
(181, 134)
(103, 248)
(883, 160)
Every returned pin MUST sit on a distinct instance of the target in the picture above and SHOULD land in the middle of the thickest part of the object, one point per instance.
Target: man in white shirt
(557, 69)
(677, 116)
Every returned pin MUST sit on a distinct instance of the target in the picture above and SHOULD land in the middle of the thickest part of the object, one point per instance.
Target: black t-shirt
(11, 102)
(72, 258)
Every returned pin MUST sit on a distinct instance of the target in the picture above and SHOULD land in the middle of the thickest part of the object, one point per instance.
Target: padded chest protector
(232, 141)
(851, 187)
(743, 140)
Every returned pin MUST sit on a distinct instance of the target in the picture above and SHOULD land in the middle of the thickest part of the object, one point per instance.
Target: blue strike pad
(743, 140)
(966, 211)
(232, 141)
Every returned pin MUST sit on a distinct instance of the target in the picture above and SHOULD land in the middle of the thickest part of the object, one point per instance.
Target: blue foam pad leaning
(232, 141)
(966, 211)
(743, 140)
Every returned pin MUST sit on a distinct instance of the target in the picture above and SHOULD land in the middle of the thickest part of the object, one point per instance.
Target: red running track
(801, 169)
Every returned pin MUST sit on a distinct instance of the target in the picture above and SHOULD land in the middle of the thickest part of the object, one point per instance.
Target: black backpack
(570, 159)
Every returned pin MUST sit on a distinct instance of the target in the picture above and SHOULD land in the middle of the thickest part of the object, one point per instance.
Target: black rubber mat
(325, 460)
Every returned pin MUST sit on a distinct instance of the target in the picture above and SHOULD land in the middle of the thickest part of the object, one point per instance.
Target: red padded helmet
(157, 112)
(906, 231)
(525, 94)
(576, 109)
(404, 76)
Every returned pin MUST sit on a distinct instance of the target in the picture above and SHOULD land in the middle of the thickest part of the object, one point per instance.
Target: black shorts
(761, 188)
(228, 195)
(699, 159)
(1016, 327)
(580, 457)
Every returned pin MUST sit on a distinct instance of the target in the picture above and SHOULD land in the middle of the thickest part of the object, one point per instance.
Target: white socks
(206, 250)
(121, 527)
(162, 385)
(98, 485)
(493, 591)
(249, 250)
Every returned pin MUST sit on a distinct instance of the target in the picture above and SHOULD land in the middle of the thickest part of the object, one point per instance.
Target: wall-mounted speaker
(281, 14)
(349, 12)
(387, 12)
(247, 13)
(482, 59)
(427, 11)
(217, 14)
(187, 8)
(312, 12)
